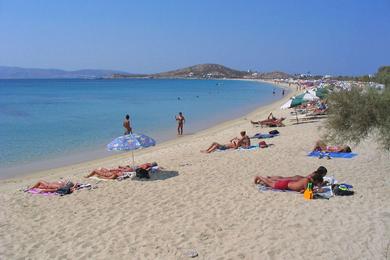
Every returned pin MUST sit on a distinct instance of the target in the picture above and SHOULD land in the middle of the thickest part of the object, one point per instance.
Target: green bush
(355, 114)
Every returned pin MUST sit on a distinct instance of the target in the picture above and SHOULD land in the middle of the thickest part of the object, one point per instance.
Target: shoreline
(91, 156)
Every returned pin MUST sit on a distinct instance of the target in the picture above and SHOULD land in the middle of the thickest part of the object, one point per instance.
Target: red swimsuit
(281, 184)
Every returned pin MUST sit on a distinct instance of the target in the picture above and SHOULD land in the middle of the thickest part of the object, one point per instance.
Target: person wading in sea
(127, 126)
(180, 123)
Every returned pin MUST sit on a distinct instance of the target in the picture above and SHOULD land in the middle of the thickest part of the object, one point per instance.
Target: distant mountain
(28, 73)
(202, 71)
(196, 71)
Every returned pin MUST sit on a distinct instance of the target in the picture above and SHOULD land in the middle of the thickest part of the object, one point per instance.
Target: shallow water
(53, 119)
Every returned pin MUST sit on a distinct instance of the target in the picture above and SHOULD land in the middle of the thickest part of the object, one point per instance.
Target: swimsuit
(223, 147)
(281, 184)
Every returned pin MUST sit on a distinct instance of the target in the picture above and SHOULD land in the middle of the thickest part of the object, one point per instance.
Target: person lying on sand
(244, 141)
(270, 121)
(322, 147)
(286, 184)
(321, 171)
(214, 146)
(234, 143)
(44, 186)
(115, 173)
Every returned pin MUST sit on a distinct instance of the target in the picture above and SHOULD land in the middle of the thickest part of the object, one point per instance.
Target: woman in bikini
(115, 173)
(214, 146)
(321, 171)
(287, 184)
(44, 186)
(322, 147)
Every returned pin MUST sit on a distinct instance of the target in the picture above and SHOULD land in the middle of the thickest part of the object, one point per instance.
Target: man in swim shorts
(180, 123)
(234, 143)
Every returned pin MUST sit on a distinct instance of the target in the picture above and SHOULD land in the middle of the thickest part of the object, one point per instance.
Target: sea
(48, 123)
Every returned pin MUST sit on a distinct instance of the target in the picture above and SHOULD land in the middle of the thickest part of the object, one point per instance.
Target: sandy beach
(207, 203)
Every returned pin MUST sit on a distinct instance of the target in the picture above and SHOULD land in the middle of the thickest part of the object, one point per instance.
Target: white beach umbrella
(287, 104)
(298, 100)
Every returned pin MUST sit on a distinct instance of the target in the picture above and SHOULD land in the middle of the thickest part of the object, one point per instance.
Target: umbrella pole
(296, 114)
(132, 153)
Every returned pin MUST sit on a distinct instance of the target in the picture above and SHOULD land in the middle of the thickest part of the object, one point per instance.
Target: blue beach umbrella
(131, 142)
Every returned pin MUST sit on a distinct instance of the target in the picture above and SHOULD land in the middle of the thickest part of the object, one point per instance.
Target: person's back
(245, 141)
(298, 185)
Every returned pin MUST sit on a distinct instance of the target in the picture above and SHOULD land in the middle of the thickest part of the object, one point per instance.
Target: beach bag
(65, 190)
(274, 132)
(263, 144)
(142, 173)
(342, 190)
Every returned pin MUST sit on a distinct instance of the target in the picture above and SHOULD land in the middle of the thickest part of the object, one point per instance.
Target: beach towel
(263, 188)
(99, 179)
(332, 155)
(37, 192)
(261, 144)
(126, 175)
(326, 193)
(263, 136)
(81, 186)
(252, 147)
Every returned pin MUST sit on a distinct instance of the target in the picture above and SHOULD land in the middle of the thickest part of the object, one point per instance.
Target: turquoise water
(46, 119)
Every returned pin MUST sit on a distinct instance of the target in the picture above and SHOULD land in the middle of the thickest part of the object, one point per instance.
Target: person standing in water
(180, 123)
(127, 126)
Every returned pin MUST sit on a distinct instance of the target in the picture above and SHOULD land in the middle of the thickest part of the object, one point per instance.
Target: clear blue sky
(324, 37)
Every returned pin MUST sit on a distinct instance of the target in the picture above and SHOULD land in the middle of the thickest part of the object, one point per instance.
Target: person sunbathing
(214, 146)
(294, 185)
(234, 143)
(321, 146)
(115, 173)
(321, 171)
(44, 186)
(272, 122)
(244, 141)
(146, 166)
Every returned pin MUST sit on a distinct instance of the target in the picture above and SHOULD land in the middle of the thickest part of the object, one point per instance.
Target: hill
(202, 71)
(29, 73)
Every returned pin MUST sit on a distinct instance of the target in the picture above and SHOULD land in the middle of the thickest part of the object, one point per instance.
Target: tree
(355, 114)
